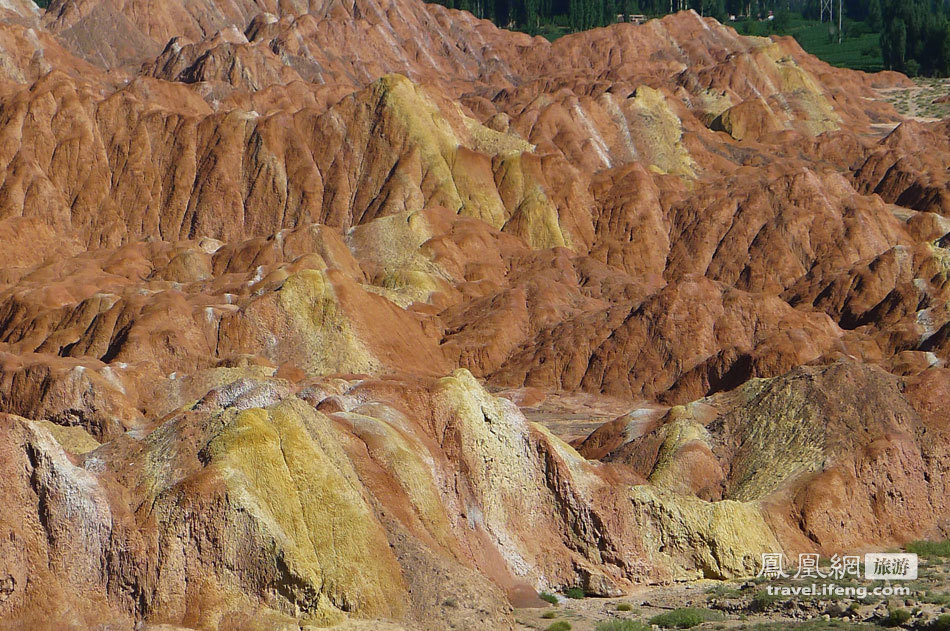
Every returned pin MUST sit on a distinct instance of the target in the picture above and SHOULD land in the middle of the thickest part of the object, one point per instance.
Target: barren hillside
(284, 288)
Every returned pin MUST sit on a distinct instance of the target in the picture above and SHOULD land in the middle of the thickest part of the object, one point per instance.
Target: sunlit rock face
(277, 276)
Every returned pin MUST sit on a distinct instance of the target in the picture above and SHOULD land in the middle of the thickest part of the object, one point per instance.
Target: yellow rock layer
(329, 341)
(73, 439)
(659, 133)
(285, 468)
(721, 539)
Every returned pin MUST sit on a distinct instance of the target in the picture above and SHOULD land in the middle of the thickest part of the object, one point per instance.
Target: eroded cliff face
(267, 267)
(282, 502)
(304, 501)
(811, 449)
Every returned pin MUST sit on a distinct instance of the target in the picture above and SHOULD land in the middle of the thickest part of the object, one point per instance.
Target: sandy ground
(923, 101)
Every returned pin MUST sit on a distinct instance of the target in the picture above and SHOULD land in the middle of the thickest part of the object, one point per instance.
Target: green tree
(527, 15)
(945, 52)
(610, 12)
(781, 22)
(874, 15)
(720, 12)
(593, 14)
(532, 9)
(894, 44)
(574, 15)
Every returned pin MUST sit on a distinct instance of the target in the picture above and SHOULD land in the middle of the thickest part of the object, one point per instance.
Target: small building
(633, 18)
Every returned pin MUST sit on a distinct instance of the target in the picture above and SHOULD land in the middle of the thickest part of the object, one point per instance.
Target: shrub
(622, 625)
(548, 597)
(912, 67)
(763, 601)
(896, 617)
(549, 615)
(560, 625)
(575, 592)
(940, 623)
(684, 618)
(624, 607)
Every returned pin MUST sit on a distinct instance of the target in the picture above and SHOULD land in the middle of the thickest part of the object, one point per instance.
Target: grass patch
(560, 625)
(624, 607)
(934, 598)
(622, 625)
(723, 590)
(551, 32)
(575, 592)
(549, 615)
(548, 597)
(685, 618)
(930, 549)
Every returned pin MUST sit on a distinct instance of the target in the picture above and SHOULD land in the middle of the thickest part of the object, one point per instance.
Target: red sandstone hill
(263, 265)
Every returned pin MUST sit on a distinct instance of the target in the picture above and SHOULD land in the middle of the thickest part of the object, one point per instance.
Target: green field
(858, 49)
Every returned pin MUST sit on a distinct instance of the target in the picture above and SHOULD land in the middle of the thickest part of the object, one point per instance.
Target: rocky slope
(276, 278)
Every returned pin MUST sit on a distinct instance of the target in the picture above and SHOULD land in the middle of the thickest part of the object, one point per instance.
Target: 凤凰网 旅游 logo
(877, 566)
(890, 566)
(841, 574)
